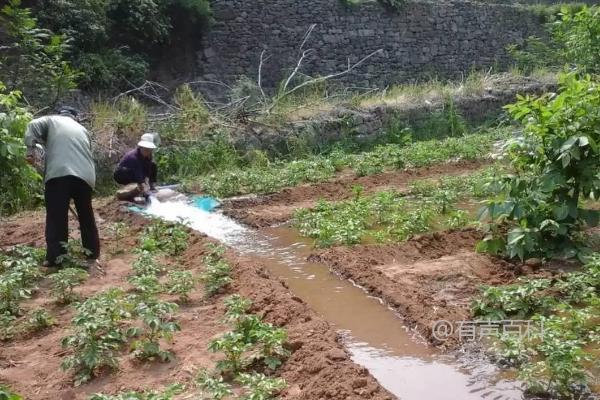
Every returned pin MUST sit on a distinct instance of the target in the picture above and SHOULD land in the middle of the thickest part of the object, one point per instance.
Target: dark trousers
(58, 195)
(125, 176)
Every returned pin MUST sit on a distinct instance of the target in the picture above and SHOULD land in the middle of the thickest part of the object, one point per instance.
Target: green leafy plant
(20, 182)
(7, 394)
(64, 281)
(260, 387)
(7, 325)
(36, 62)
(75, 255)
(98, 335)
(41, 319)
(168, 394)
(540, 206)
(180, 283)
(146, 264)
(118, 229)
(147, 286)
(162, 236)
(19, 274)
(213, 386)
(217, 271)
(158, 324)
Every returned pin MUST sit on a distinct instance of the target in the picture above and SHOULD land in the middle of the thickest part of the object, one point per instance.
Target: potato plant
(217, 271)
(277, 175)
(168, 394)
(98, 334)
(63, 283)
(157, 324)
(18, 277)
(40, 319)
(250, 340)
(161, 236)
(180, 283)
(553, 361)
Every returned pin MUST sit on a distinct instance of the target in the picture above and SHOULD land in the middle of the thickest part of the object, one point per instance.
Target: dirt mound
(318, 367)
(428, 278)
(279, 207)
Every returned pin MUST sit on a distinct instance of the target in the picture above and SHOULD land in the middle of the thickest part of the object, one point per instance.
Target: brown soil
(279, 207)
(318, 367)
(427, 278)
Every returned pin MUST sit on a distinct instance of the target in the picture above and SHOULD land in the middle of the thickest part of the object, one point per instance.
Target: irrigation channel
(375, 336)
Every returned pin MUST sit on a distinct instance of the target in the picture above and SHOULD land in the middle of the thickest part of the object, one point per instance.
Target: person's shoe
(89, 265)
(50, 268)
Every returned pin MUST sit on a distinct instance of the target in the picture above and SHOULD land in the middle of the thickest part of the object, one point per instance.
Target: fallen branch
(349, 69)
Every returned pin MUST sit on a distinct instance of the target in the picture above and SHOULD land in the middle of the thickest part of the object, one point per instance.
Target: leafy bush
(36, 62)
(573, 42)
(556, 164)
(111, 70)
(19, 182)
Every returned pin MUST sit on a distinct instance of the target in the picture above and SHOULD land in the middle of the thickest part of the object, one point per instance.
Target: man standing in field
(69, 174)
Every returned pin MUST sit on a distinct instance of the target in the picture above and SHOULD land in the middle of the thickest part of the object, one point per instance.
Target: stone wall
(423, 39)
(367, 125)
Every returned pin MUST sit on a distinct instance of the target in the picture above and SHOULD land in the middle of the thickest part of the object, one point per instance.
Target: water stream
(375, 336)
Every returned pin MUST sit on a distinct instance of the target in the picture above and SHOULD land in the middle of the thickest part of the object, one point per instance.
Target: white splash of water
(214, 225)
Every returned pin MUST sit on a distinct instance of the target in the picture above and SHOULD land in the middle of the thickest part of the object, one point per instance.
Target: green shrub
(20, 184)
(112, 70)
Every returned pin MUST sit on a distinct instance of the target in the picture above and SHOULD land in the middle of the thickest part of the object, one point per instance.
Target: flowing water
(375, 336)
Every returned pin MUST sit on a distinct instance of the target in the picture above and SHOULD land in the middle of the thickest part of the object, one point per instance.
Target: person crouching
(137, 170)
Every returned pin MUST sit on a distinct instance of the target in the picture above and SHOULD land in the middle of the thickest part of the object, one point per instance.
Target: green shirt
(67, 145)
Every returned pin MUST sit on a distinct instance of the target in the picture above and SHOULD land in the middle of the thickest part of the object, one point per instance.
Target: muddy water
(375, 335)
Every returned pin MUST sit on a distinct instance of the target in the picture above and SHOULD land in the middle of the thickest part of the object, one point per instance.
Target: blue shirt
(137, 164)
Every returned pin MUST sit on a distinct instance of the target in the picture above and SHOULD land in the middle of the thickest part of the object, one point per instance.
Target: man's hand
(30, 160)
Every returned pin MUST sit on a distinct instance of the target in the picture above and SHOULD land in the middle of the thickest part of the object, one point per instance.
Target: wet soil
(428, 278)
(318, 368)
(267, 210)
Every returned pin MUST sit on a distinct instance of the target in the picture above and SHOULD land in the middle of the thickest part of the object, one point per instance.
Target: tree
(35, 61)
(540, 210)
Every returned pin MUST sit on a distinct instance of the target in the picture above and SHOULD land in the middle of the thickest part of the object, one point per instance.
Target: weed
(63, 283)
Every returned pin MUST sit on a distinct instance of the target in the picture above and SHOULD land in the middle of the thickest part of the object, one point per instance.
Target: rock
(359, 383)
(336, 355)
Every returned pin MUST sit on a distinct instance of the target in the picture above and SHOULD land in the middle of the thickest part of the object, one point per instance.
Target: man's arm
(36, 132)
